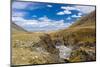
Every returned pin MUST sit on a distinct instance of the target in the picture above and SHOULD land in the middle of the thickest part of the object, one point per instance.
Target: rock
(46, 43)
(82, 55)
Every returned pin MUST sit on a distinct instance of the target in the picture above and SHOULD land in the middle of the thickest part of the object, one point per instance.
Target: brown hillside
(16, 28)
(88, 20)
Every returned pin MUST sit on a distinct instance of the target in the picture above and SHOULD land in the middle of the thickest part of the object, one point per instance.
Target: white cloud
(64, 12)
(67, 12)
(76, 16)
(43, 24)
(45, 19)
(85, 9)
(20, 5)
(24, 5)
(21, 14)
(82, 9)
(69, 8)
(80, 14)
(69, 18)
(49, 5)
(60, 13)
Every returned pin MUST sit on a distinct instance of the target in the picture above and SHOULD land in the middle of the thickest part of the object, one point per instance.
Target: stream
(64, 51)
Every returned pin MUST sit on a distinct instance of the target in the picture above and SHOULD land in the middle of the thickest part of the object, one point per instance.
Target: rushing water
(64, 52)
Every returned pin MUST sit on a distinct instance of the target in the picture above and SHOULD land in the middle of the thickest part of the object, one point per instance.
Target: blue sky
(35, 16)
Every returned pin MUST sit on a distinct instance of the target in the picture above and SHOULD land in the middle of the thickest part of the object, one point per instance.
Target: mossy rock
(80, 55)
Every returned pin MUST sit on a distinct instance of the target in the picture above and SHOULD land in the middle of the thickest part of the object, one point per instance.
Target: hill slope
(85, 28)
(16, 28)
(88, 20)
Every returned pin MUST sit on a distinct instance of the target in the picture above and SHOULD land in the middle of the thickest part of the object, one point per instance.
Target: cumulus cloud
(49, 5)
(60, 13)
(45, 19)
(67, 12)
(42, 24)
(76, 16)
(83, 9)
(69, 8)
(80, 14)
(69, 18)
(64, 12)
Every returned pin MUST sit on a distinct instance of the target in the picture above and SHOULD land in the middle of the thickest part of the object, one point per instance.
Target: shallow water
(64, 52)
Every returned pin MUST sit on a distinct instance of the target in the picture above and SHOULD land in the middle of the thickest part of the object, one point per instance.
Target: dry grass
(23, 51)
(81, 36)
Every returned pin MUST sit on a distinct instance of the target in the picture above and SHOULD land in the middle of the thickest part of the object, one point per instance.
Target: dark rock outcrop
(48, 44)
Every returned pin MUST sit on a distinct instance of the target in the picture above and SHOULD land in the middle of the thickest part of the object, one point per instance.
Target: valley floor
(41, 48)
